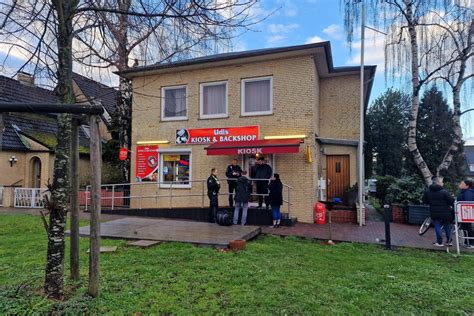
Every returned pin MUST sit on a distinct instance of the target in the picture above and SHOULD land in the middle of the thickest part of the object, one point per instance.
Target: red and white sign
(123, 153)
(280, 146)
(215, 135)
(465, 212)
(147, 161)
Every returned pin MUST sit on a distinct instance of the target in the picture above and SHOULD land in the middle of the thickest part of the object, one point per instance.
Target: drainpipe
(361, 120)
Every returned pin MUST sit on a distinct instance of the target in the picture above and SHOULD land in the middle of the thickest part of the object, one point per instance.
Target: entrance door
(338, 175)
(35, 174)
(249, 163)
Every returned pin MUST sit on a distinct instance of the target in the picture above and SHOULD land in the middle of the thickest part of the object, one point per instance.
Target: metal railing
(120, 195)
(29, 197)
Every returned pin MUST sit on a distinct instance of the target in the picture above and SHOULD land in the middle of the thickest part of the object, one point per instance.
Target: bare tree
(151, 32)
(415, 46)
(44, 32)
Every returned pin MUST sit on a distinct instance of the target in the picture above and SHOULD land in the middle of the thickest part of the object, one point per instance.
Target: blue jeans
(245, 207)
(276, 212)
(447, 230)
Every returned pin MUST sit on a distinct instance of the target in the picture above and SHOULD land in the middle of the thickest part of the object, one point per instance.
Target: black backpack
(224, 218)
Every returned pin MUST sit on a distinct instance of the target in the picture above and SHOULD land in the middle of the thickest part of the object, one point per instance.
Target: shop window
(176, 170)
(174, 103)
(213, 100)
(257, 96)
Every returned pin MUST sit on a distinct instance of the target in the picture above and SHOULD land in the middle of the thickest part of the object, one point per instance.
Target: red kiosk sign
(147, 161)
(195, 136)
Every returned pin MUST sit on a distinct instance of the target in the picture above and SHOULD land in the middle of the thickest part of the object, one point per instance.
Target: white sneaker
(438, 245)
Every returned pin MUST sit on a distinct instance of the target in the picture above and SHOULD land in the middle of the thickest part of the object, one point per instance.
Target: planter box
(417, 213)
(398, 213)
(345, 216)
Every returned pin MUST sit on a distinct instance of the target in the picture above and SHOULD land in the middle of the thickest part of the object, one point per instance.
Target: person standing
(243, 191)
(440, 202)
(263, 173)
(467, 195)
(232, 173)
(275, 197)
(213, 187)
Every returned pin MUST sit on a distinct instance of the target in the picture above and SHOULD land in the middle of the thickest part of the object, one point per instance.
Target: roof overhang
(337, 141)
(273, 146)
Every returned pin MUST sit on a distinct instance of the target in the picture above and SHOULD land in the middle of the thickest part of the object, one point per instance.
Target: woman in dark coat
(440, 202)
(275, 198)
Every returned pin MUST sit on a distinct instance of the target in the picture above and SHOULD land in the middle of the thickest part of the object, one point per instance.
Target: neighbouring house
(469, 154)
(28, 140)
(289, 105)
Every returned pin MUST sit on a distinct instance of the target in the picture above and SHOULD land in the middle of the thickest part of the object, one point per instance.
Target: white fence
(29, 197)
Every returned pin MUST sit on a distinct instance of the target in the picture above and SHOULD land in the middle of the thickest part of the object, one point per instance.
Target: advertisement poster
(147, 161)
(213, 135)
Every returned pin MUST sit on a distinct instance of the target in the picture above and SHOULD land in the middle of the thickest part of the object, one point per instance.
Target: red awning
(274, 146)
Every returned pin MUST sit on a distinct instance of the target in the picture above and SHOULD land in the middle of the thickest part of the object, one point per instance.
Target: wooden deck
(174, 230)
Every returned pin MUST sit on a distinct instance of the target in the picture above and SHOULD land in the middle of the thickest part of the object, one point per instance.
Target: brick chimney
(26, 79)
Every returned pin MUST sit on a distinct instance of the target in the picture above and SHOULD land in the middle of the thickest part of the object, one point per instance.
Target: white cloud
(314, 39)
(334, 31)
(282, 28)
(274, 39)
(374, 52)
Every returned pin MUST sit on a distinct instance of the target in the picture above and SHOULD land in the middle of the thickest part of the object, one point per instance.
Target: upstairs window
(257, 96)
(213, 99)
(174, 104)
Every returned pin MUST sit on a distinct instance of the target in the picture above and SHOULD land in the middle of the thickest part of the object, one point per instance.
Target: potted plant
(409, 191)
(350, 196)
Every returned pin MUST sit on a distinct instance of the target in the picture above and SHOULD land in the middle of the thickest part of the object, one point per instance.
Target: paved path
(402, 235)
(174, 230)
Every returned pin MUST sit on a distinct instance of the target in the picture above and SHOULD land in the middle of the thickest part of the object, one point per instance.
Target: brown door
(338, 175)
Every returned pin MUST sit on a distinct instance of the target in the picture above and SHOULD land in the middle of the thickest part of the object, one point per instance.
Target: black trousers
(213, 207)
(232, 187)
(262, 188)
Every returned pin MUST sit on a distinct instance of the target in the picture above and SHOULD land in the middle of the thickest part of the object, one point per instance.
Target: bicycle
(425, 226)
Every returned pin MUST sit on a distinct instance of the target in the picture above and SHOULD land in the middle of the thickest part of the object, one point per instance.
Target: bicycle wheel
(425, 226)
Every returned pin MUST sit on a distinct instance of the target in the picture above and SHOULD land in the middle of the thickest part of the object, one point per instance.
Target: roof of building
(321, 52)
(469, 154)
(19, 128)
(96, 91)
(469, 141)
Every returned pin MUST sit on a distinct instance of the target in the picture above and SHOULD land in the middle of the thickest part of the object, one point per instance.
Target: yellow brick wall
(294, 102)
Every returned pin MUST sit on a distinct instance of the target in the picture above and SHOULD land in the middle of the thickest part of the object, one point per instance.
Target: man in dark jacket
(467, 195)
(440, 202)
(263, 171)
(232, 173)
(213, 187)
(243, 191)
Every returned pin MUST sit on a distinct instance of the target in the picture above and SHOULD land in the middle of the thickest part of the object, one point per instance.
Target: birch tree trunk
(415, 101)
(54, 272)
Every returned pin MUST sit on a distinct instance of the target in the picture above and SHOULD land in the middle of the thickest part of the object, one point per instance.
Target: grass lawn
(272, 276)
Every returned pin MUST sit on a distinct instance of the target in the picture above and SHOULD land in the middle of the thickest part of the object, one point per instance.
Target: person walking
(440, 202)
(243, 191)
(213, 187)
(263, 173)
(467, 195)
(232, 173)
(275, 198)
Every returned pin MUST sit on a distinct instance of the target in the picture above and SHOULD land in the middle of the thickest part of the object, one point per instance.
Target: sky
(297, 22)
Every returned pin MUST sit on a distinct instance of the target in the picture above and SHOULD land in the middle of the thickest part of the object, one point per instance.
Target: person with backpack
(275, 198)
(467, 195)
(440, 202)
(243, 191)
(213, 187)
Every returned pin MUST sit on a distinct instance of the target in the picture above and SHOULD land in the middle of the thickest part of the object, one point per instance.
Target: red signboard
(465, 212)
(214, 135)
(123, 153)
(147, 161)
(283, 146)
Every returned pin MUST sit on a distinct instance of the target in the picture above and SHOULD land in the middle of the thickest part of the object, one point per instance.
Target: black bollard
(387, 215)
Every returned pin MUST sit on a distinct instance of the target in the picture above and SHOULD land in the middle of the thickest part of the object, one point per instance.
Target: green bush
(383, 182)
(406, 190)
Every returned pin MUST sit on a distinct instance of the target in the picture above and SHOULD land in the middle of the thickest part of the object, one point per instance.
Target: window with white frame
(213, 99)
(174, 103)
(257, 96)
(175, 169)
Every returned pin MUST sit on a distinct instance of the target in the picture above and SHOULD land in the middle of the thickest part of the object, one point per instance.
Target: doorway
(338, 175)
(35, 174)
(249, 163)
